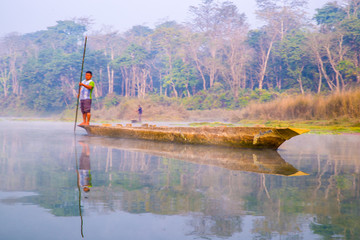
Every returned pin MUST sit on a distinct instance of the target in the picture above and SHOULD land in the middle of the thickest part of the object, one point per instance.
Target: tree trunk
(300, 81)
(333, 65)
(187, 90)
(198, 65)
(15, 82)
(160, 83)
(133, 82)
(213, 68)
(126, 76)
(110, 73)
(320, 79)
(201, 74)
(321, 65)
(265, 59)
(174, 89)
(279, 80)
(4, 79)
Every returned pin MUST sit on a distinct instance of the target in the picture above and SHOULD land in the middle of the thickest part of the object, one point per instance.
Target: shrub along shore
(338, 112)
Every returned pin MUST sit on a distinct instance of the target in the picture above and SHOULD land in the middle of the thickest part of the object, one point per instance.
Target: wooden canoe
(265, 161)
(237, 137)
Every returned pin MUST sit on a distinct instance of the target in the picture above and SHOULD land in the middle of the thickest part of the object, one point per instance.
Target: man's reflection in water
(84, 174)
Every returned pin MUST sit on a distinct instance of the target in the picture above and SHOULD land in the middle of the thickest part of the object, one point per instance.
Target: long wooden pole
(82, 68)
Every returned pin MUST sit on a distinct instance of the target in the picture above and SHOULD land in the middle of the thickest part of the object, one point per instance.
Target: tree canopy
(215, 53)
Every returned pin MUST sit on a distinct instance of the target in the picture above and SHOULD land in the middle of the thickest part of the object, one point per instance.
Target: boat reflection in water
(265, 161)
(186, 193)
(137, 183)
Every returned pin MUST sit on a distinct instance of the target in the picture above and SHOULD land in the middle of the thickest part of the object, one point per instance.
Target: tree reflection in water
(217, 190)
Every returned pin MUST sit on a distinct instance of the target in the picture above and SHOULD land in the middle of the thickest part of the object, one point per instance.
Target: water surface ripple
(57, 185)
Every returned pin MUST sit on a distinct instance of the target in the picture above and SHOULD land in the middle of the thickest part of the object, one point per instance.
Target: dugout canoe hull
(236, 137)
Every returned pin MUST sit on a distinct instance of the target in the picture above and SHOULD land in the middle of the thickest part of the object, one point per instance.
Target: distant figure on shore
(139, 112)
(86, 88)
(84, 175)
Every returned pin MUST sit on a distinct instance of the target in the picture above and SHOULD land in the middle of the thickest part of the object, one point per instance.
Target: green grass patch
(315, 126)
(211, 124)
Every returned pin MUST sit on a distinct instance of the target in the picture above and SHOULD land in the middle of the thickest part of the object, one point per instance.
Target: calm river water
(308, 189)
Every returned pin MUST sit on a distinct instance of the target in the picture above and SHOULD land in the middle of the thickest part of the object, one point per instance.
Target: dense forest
(213, 61)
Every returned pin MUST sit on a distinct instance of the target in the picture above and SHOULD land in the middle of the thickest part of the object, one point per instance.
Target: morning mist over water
(139, 191)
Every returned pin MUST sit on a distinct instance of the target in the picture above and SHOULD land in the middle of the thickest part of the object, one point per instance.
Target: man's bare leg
(88, 118)
(84, 119)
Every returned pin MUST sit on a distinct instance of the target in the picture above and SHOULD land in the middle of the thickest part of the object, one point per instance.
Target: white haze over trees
(213, 60)
(24, 16)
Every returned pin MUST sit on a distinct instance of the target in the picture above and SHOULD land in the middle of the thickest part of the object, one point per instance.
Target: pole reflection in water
(83, 176)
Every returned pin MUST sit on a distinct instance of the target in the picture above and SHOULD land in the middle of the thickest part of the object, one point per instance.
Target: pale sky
(24, 16)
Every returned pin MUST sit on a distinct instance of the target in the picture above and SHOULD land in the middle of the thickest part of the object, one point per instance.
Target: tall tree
(5, 75)
(295, 56)
(207, 20)
(167, 38)
(112, 44)
(135, 70)
(234, 53)
(280, 17)
(339, 28)
(193, 43)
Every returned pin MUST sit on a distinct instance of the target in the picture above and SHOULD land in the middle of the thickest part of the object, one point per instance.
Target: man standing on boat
(87, 86)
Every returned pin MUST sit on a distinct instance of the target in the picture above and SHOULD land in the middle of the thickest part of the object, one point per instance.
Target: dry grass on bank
(339, 107)
(163, 112)
(221, 115)
(127, 110)
(306, 107)
(152, 111)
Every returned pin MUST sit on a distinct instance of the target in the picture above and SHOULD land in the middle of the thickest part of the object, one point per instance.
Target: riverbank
(335, 113)
(316, 127)
(339, 126)
(344, 126)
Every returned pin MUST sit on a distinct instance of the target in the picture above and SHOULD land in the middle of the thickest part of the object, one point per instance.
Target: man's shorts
(85, 105)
